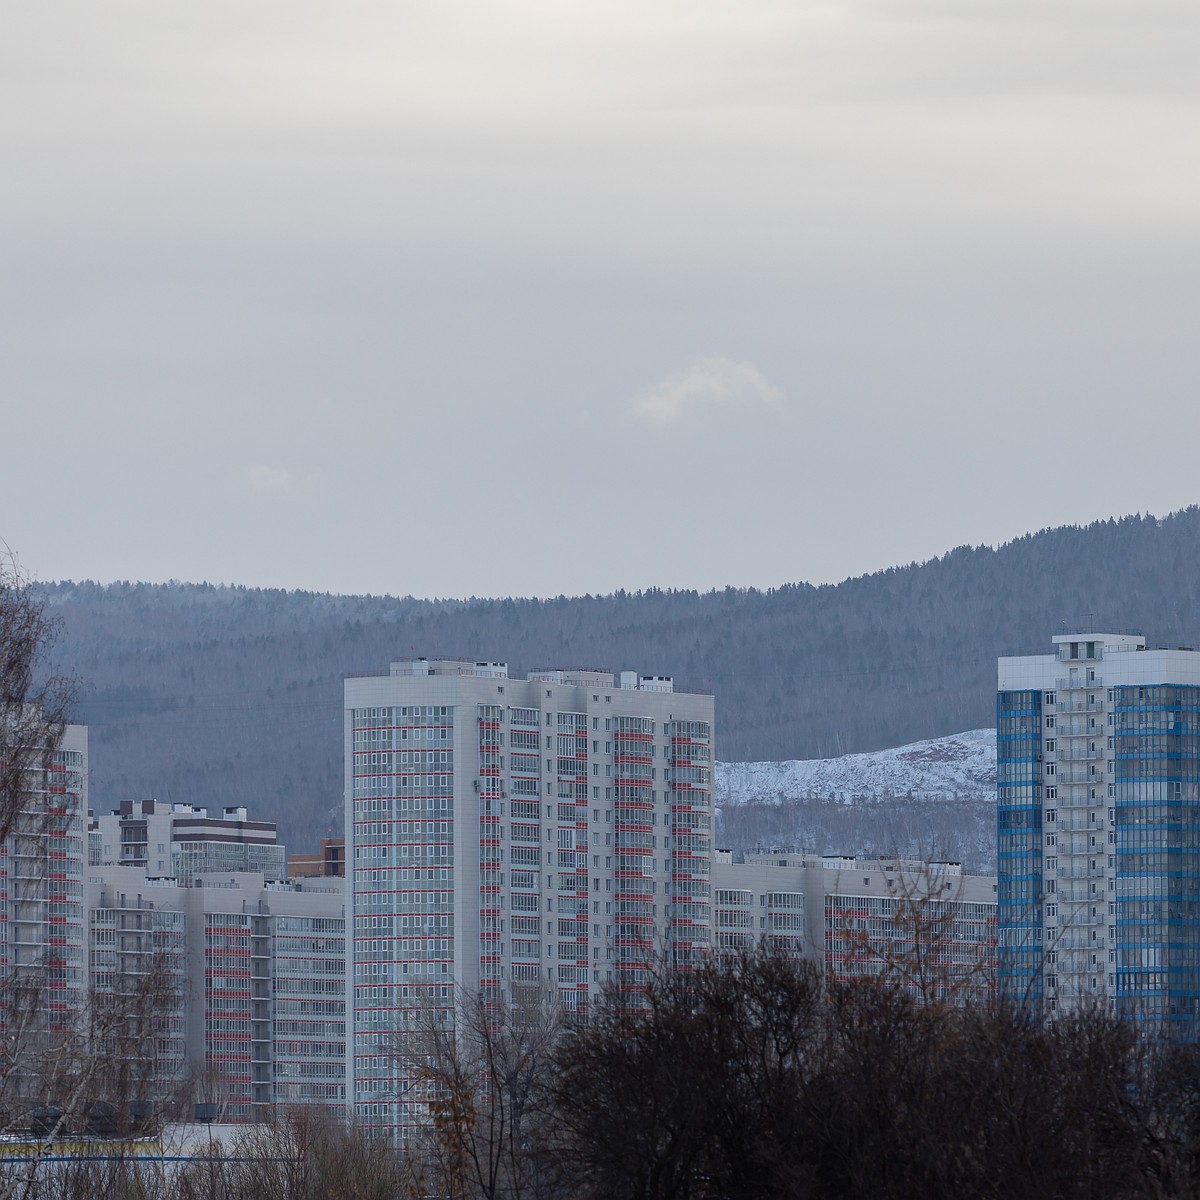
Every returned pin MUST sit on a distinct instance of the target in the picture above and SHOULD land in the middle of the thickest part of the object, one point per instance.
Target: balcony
(1080, 755)
(1067, 825)
(1083, 919)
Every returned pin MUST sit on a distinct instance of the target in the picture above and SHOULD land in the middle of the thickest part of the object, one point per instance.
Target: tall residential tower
(501, 833)
(1098, 791)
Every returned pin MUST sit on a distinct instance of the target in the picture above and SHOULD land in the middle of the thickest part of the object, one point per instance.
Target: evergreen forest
(220, 695)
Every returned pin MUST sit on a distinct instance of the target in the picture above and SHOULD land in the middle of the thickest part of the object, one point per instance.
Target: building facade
(327, 862)
(180, 841)
(926, 925)
(43, 972)
(502, 833)
(249, 976)
(1098, 795)
(234, 979)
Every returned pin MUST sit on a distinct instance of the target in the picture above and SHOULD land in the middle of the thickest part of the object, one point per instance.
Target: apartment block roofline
(596, 677)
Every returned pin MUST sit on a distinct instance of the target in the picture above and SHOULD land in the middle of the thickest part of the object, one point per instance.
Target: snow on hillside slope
(961, 766)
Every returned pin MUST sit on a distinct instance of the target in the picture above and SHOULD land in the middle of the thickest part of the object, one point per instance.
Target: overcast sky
(475, 298)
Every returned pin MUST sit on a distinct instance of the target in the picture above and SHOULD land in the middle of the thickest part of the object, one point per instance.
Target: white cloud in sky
(260, 477)
(707, 383)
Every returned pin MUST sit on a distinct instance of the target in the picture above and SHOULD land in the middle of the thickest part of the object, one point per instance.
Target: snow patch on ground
(961, 766)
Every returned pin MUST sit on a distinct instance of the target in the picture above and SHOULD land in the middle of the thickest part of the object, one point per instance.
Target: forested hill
(221, 695)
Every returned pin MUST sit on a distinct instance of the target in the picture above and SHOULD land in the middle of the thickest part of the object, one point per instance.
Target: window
(1049, 697)
(1049, 722)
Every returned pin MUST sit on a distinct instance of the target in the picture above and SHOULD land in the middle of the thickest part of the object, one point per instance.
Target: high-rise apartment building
(549, 832)
(1098, 805)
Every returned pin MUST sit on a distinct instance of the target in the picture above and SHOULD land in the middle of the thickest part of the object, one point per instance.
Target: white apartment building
(1098, 803)
(257, 1021)
(926, 924)
(180, 841)
(501, 832)
(255, 966)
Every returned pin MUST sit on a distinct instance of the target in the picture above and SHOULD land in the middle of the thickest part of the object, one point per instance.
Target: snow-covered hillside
(961, 766)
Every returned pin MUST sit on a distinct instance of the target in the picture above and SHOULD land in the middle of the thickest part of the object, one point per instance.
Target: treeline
(216, 695)
(759, 1079)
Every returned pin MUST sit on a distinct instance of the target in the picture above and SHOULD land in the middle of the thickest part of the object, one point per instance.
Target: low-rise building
(924, 923)
(329, 861)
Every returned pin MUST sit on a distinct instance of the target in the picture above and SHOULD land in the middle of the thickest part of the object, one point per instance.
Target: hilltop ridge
(226, 695)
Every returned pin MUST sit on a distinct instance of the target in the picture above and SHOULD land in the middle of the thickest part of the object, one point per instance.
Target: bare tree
(33, 701)
(480, 1078)
(636, 1091)
(305, 1155)
(102, 1076)
(71, 1060)
(922, 936)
